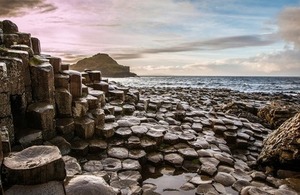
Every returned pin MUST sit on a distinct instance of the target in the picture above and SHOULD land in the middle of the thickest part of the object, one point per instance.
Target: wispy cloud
(213, 44)
(276, 63)
(153, 36)
(13, 8)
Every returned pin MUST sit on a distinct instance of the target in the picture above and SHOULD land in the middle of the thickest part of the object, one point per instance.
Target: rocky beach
(70, 132)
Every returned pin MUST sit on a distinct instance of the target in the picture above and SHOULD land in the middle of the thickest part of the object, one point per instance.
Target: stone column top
(72, 72)
(32, 157)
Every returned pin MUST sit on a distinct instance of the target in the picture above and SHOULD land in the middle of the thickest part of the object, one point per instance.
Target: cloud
(212, 44)
(278, 63)
(289, 25)
(14, 8)
(265, 64)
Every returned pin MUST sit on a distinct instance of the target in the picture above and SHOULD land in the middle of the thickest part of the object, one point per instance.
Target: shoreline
(70, 132)
(247, 85)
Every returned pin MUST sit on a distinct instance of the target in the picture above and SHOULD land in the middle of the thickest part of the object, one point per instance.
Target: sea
(286, 85)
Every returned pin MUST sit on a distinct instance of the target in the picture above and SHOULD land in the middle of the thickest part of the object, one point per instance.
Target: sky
(168, 37)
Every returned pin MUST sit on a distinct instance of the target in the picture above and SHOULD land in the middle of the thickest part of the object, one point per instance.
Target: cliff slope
(103, 62)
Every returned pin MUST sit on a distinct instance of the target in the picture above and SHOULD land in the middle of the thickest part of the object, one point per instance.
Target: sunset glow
(169, 37)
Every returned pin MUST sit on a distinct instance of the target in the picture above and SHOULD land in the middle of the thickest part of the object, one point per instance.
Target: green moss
(196, 161)
(3, 49)
(35, 61)
(162, 146)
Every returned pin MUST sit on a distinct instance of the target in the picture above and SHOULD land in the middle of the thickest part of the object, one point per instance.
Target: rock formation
(108, 66)
(112, 135)
(282, 146)
(278, 112)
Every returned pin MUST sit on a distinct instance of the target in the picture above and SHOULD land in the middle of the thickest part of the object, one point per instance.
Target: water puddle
(168, 180)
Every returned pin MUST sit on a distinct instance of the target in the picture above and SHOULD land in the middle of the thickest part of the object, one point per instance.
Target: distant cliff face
(103, 62)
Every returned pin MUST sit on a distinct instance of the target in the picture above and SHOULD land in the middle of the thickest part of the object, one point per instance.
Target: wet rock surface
(21, 168)
(126, 140)
(88, 184)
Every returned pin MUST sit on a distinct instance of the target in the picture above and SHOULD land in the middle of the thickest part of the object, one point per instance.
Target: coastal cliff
(108, 66)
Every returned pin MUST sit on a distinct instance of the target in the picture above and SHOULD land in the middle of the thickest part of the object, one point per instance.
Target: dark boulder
(9, 27)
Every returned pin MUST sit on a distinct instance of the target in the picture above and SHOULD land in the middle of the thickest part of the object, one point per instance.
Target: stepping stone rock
(187, 186)
(171, 138)
(239, 174)
(65, 127)
(208, 160)
(148, 144)
(42, 81)
(34, 138)
(72, 166)
(224, 179)
(49, 188)
(63, 100)
(197, 127)
(139, 130)
(198, 180)
(200, 143)
(219, 129)
(128, 109)
(100, 95)
(174, 159)
(80, 147)
(133, 142)
(253, 191)
(220, 188)
(185, 137)
(97, 145)
(208, 169)
(41, 116)
(99, 117)
(130, 175)
(111, 164)
(130, 164)
(149, 187)
(79, 107)
(191, 166)
(36, 46)
(118, 152)
(75, 83)
(226, 169)
(84, 127)
(61, 81)
(156, 135)
(108, 130)
(93, 166)
(240, 184)
(110, 118)
(123, 132)
(188, 153)
(206, 189)
(155, 158)
(137, 154)
(62, 144)
(124, 123)
(224, 158)
(127, 186)
(88, 184)
(22, 167)
(258, 175)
